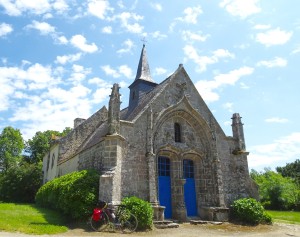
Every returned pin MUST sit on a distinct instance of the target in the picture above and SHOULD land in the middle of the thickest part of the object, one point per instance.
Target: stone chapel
(165, 147)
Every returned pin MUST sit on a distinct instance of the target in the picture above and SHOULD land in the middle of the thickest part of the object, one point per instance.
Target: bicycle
(104, 217)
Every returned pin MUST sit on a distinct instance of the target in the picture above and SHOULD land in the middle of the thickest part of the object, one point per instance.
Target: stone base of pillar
(214, 213)
(180, 214)
(158, 212)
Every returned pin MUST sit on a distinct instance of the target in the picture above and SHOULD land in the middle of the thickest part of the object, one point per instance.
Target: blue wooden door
(189, 188)
(164, 185)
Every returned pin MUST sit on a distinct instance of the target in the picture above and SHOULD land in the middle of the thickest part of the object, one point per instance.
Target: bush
(141, 209)
(20, 183)
(73, 194)
(250, 211)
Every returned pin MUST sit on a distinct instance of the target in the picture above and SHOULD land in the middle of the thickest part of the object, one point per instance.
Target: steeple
(143, 82)
(143, 71)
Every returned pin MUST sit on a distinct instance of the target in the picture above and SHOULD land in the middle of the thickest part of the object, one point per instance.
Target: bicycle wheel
(101, 224)
(128, 222)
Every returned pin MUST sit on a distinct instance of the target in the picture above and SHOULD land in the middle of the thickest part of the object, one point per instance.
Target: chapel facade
(166, 147)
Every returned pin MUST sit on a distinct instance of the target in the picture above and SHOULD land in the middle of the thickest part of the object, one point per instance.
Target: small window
(48, 161)
(53, 158)
(177, 130)
(133, 95)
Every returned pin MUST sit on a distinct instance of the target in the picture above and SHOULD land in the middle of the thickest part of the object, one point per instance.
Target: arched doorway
(164, 184)
(189, 187)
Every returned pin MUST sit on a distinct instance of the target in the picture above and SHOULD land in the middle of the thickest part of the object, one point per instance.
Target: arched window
(177, 130)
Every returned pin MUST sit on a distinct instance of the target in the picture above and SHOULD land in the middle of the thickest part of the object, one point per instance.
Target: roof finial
(144, 40)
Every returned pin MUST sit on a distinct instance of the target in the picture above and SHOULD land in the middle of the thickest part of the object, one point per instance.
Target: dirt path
(188, 230)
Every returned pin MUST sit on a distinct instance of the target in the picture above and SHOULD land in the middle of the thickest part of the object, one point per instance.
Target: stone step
(196, 222)
(165, 224)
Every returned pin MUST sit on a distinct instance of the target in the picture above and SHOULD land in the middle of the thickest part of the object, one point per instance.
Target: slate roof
(145, 100)
(143, 71)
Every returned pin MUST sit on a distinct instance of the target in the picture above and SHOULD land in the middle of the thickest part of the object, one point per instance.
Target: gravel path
(188, 230)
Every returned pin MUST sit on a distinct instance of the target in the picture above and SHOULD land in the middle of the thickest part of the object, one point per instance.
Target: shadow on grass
(55, 218)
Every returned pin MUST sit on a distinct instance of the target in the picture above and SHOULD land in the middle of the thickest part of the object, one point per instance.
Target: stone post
(180, 207)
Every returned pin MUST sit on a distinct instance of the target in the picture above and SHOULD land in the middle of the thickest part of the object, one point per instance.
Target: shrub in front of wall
(249, 211)
(73, 194)
(141, 209)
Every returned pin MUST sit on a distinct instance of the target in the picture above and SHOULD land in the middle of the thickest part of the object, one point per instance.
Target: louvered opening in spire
(143, 71)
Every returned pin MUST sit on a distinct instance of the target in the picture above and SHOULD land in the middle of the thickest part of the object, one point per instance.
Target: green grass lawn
(292, 217)
(30, 219)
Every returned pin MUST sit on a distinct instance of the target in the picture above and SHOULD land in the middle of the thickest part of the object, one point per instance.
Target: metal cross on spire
(144, 40)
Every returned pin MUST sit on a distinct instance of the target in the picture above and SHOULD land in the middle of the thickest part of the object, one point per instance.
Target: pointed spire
(143, 71)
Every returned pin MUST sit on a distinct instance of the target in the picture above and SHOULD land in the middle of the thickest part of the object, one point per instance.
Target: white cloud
(193, 36)
(207, 88)
(79, 74)
(17, 7)
(129, 22)
(60, 6)
(10, 8)
(278, 153)
(61, 39)
(203, 61)
(56, 109)
(79, 42)
(110, 71)
(156, 6)
(126, 71)
(99, 8)
(262, 27)
(5, 29)
(243, 9)
(43, 27)
(276, 62)
(128, 47)
(296, 50)
(116, 73)
(68, 58)
(274, 37)
(107, 30)
(228, 106)
(158, 35)
(14, 80)
(159, 71)
(191, 15)
(276, 120)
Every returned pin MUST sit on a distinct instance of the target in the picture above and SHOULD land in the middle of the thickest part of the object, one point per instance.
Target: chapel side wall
(71, 142)
(50, 163)
(135, 164)
(92, 158)
(68, 166)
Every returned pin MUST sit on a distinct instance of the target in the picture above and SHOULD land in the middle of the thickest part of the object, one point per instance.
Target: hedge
(74, 194)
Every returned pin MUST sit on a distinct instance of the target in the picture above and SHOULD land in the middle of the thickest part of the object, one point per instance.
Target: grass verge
(291, 217)
(30, 219)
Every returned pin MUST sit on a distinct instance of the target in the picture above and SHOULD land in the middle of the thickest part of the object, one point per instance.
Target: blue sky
(59, 59)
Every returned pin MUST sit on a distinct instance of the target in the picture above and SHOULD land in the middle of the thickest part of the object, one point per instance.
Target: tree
(291, 170)
(40, 144)
(276, 192)
(20, 183)
(11, 146)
